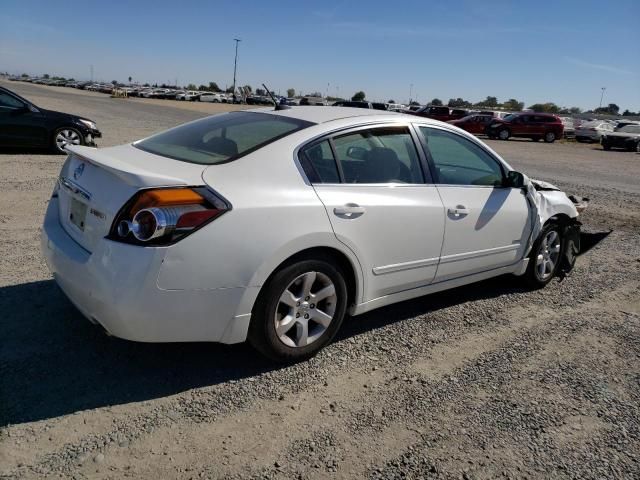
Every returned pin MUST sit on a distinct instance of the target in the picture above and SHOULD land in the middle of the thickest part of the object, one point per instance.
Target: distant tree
(414, 103)
(229, 90)
(436, 101)
(247, 87)
(575, 110)
(358, 96)
(114, 82)
(129, 79)
(213, 86)
(291, 92)
(203, 88)
(145, 85)
(260, 92)
(391, 101)
(513, 105)
(24, 75)
(548, 107)
(628, 113)
(458, 103)
(489, 102)
(314, 94)
(191, 86)
(46, 75)
(611, 109)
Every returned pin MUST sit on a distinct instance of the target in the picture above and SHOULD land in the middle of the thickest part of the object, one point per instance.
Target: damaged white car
(271, 225)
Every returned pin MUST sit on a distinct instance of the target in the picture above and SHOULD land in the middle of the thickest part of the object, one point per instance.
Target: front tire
(545, 256)
(299, 311)
(504, 134)
(549, 137)
(66, 136)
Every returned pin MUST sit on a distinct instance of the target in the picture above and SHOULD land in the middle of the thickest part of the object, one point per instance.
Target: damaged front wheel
(545, 256)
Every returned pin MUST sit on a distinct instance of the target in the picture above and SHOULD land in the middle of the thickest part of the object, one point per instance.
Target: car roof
(319, 114)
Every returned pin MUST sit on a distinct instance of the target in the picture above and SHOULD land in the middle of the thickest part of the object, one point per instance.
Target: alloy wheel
(66, 137)
(503, 134)
(550, 137)
(305, 309)
(548, 255)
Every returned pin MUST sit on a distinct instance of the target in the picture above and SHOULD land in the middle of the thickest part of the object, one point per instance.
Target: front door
(381, 205)
(487, 225)
(19, 126)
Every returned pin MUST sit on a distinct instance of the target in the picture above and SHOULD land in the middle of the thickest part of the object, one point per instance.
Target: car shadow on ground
(54, 362)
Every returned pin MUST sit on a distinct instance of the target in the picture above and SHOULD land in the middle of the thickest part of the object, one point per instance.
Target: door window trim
(427, 177)
(431, 162)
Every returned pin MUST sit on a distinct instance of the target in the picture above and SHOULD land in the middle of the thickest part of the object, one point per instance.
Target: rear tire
(299, 311)
(606, 146)
(545, 256)
(549, 137)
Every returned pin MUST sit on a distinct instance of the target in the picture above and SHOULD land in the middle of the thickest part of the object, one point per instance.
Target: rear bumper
(116, 286)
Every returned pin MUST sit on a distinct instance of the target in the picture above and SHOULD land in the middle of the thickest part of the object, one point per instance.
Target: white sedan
(271, 225)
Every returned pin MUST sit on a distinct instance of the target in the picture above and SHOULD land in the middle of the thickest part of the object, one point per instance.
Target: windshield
(630, 129)
(221, 138)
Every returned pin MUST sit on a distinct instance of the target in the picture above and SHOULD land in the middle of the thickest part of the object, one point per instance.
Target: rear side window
(319, 164)
(460, 162)
(221, 138)
(383, 155)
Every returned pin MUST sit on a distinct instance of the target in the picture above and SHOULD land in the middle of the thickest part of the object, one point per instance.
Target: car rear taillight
(163, 216)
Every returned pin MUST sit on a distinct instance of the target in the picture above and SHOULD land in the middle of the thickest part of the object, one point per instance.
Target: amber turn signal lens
(167, 197)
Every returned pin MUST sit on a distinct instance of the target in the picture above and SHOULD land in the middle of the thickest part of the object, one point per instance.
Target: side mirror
(356, 152)
(514, 180)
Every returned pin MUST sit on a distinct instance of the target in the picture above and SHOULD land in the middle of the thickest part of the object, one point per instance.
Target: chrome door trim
(478, 253)
(399, 267)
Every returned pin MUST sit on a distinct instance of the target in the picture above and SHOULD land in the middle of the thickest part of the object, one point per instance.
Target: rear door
(381, 204)
(486, 225)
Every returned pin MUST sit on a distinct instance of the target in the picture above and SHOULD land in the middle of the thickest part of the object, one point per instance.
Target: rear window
(221, 138)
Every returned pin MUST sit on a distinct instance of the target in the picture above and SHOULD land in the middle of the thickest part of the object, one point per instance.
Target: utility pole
(602, 96)
(410, 91)
(235, 66)
(91, 70)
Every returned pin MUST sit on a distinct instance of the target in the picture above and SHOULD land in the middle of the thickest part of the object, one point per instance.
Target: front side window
(382, 155)
(221, 138)
(458, 161)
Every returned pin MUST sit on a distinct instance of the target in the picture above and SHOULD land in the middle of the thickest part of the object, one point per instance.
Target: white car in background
(592, 131)
(212, 97)
(271, 225)
(188, 95)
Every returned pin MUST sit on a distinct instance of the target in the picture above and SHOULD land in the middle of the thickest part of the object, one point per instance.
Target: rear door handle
(350, 210)
(458, 211)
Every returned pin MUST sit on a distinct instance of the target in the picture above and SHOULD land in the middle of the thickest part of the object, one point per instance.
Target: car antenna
(278, 105)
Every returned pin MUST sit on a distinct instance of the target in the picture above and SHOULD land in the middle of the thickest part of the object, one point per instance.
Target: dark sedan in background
(24, 125)
(476, 124)
(626, 137)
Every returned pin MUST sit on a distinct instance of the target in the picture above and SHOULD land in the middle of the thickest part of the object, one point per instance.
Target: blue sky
(537, 51)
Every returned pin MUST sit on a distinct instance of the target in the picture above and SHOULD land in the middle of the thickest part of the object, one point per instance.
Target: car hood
(62, 115)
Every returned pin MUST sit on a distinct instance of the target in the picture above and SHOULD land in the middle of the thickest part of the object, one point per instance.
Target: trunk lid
(95, 184)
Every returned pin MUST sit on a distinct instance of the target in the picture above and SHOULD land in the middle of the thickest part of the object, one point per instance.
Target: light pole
(235, 66)
(602, 96)
(410, 91)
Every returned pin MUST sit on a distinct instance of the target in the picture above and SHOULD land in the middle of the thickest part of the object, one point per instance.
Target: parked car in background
(444, 114)
(535, 126)
(626, 138)
(476, 123)
(569, 128)
(212, 97)
(592, 131)
(319, 101)
(375, 208)
(352, 104)
(22, 124)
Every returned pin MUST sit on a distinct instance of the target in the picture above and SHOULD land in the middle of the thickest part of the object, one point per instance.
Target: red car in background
(444, 114)
(476, 124)
(531, 125)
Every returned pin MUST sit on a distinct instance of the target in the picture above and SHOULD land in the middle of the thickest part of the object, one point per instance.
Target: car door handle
(350, 210)
(458, 211)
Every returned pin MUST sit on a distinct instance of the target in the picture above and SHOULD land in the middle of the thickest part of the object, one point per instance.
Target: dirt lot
(485, 381)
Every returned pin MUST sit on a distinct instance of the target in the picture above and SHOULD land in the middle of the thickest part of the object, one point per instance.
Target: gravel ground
(486, 381)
